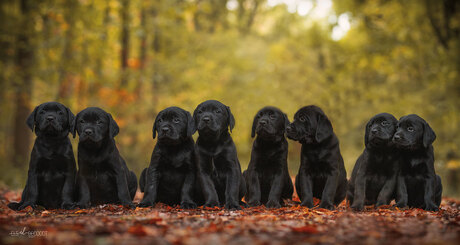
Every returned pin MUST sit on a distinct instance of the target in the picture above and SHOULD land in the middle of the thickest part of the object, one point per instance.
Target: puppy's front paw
(357, 206)
(146, 203)
(327, 205)
(308, 204)
(401, 205)
(128, 205)
(188, 205)
(232, 206)
(273, 204)
(431, 207)
(68, 205)
(212, 204)
(83, 205)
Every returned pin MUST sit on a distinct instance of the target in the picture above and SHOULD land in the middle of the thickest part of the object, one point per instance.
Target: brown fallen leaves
(171, 225)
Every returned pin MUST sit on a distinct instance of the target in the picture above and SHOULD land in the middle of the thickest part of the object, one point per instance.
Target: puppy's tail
(142, 179)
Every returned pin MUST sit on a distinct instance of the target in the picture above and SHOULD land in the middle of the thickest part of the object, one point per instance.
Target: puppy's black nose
(88, 131)
(50, 118)
(206, 119)
(374, 131)
(289, 128)
(263, 122)
(165, 129)
(397, 137)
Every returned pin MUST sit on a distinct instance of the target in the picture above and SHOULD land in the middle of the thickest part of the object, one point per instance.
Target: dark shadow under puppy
(322, 172)
(170, 178)
(219, 170)
(267, 177)
(373, 180)
(418, 185)
(103, 176)
(51, 177)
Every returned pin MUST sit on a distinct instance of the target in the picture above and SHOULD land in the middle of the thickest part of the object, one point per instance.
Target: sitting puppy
(219, 170)
(418, 185)
(103, 176)
(322, 172)
(267, 177)
(373, 179)
(51, 176)
(170, 178)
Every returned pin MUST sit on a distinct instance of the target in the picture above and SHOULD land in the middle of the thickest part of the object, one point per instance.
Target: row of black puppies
(394, 164)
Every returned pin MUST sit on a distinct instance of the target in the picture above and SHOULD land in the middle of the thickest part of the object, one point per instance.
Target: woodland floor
(170, 225)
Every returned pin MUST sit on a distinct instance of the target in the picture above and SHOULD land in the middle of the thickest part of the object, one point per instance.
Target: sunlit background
(133, 58)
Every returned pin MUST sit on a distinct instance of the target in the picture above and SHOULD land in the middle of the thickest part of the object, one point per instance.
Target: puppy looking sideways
(418, 186)
(267, 177)
(373, 180)
(219, 170)
(322, 172)
(103, 176)
(170, 178)
(51, 176)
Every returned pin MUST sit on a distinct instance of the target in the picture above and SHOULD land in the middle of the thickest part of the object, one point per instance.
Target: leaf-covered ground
(288, 225)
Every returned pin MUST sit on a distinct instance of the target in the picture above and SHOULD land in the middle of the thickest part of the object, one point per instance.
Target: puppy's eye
(218, 111)
(160, 120)
(98, 122)
(410, 129)
(272, 116)
(82, 121)
(42, 112)
(385, 123)
(176, 120)
(199, 112)
(302, 118)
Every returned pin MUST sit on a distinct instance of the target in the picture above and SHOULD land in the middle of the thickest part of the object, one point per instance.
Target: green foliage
(184, 52)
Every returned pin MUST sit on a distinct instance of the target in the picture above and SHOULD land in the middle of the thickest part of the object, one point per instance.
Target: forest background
(353, 58)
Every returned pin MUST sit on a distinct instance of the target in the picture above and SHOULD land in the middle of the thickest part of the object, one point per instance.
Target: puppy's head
(413, 133)
(173, 125)
(93, 125)
(380, 130)
(310, 126)
(213, 118)
(269, 123)
(51, 119)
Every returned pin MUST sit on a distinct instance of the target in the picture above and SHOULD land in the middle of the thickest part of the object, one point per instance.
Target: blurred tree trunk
(155, 63)
(142, 47)
(23, 88)
(247, 11)
(442, 19)
(67, 64)
(124, 38)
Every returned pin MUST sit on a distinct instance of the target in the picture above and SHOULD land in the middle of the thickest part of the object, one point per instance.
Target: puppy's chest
(418, 170)
(51, 168)
(176, 160)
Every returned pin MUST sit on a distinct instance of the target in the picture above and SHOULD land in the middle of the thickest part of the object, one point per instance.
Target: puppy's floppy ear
(191, 128)
(154, 129)
(231, 119)
(71, 120)
(73, 129)
(323, 128)
(366, 134)
(113, 126)
(428, 135)
(31, 119)
(254, 125)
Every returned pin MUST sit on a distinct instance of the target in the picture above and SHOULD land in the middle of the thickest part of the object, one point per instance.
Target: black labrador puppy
(267, 177)
(322, 172)
(418, 185)
(219, 170)
(51, 177)
(170, 178)
(103, 176)
(373, 180)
